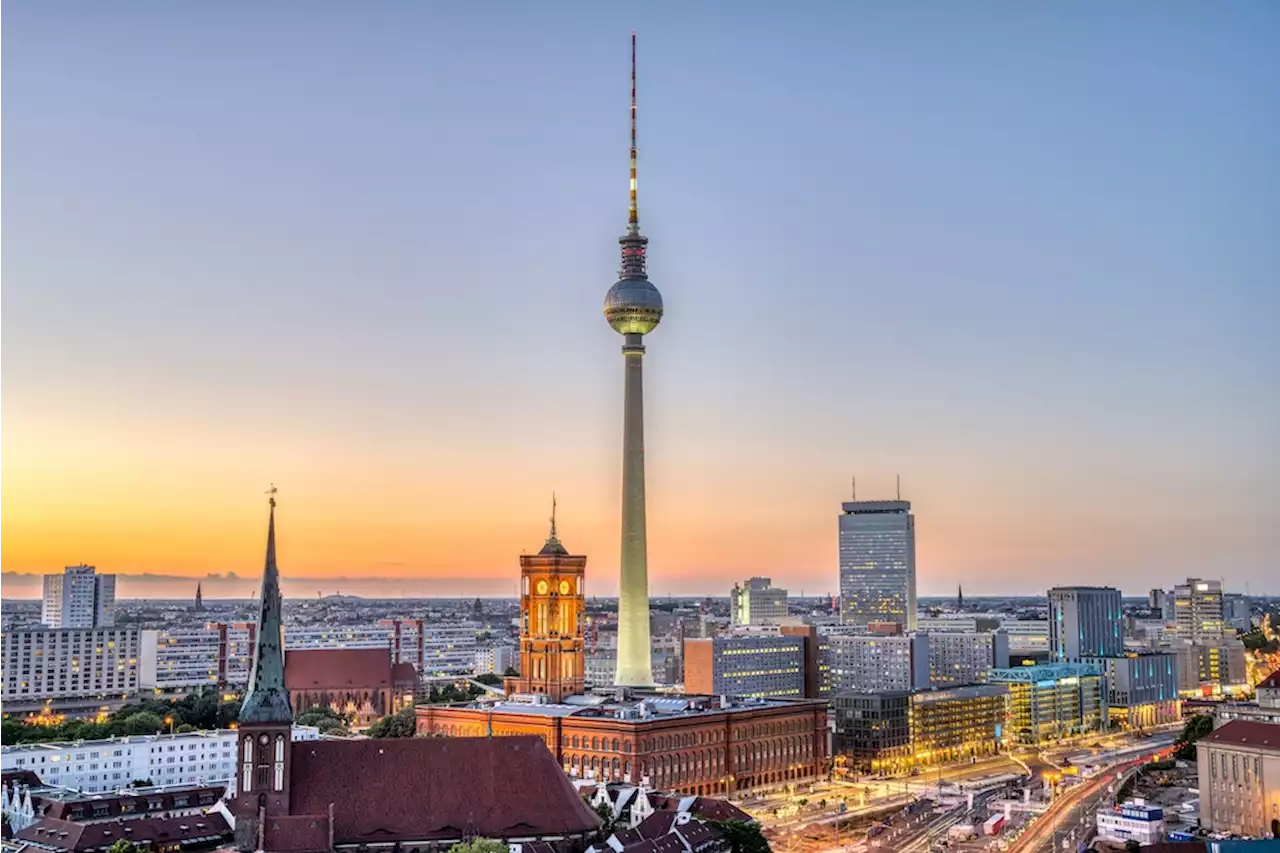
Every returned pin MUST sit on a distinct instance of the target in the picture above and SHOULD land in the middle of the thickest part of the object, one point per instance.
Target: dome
(633, 306)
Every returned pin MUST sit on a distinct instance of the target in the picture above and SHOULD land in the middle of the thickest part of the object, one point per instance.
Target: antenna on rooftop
(854, 485)
(899, 476)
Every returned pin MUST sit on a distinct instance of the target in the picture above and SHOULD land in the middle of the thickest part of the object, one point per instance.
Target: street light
(169, 721)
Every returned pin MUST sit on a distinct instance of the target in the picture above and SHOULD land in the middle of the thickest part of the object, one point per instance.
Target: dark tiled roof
(699, 836)
(159, 832)
(653, 827)
(706, 808)
(308, 669)
(666, 844)
(404, 673)
(1272, 681)
(436, 788)
(22, 777)
(297, 833)
(1247, 733)
(131, 804)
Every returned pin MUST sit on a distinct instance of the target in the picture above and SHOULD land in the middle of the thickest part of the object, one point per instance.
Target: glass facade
(878, 563)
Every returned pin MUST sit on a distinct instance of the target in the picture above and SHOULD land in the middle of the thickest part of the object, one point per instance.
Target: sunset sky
(1024, 255)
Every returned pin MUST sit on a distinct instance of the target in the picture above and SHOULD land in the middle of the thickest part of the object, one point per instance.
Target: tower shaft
(635, 668)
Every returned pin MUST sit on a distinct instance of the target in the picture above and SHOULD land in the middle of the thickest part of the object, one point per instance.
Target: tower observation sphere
(633, 306)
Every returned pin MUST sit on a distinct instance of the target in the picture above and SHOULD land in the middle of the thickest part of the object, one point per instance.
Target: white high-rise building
(79, 598)
(69, 664)
(876, 663)
(878, 563)
(757, 602)
(1197, 610)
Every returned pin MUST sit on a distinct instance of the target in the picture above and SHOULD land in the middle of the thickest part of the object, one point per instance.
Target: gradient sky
(1024, 255)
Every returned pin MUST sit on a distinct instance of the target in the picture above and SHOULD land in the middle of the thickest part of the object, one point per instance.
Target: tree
(184, 728)
(511, 671)
(743, 837)
(605, 812)
(478, 845)
(490, 679)
(124, 845)
(1195, 728)
(141, 783)
(142, 723)
(400, 724)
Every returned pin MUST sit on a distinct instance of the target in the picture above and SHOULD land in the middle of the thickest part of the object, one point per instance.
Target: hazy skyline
(1023, 256)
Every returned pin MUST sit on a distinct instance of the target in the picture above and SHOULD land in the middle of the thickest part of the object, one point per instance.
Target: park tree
(1194, 729)
(743, 837)
(398, 725)
(480, 845)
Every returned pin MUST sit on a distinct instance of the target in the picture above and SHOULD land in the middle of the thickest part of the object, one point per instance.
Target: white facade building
(95, 766)
(878, 563)
(216, 653)
(875, 664)
(1027, 636)
(1135, 820)
(69, 664)
(757, 602)
(436, 649)
(79, 598)
(496, 659)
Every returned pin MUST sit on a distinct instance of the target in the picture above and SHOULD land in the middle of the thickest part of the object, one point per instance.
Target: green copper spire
(267, 700)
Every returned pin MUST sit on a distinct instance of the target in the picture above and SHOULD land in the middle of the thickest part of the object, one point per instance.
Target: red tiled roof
(308, 669)
(666, 844)
(156, 831)
(423, 789)
(1272, 681)
(706, 808)
(1247, 733)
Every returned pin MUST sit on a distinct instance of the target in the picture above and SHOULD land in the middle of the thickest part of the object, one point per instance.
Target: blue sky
(1022, 254)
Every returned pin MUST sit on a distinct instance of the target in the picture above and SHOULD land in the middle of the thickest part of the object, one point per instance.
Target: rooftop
(1247, 733)
(647, 706)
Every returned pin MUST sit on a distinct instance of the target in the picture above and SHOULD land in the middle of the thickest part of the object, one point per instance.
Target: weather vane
(272, 493)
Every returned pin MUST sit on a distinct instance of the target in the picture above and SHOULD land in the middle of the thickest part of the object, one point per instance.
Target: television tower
(633, 308)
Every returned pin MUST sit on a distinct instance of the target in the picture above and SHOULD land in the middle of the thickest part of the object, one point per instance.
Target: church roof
(411, 790)
(266, 700)
(306, 669)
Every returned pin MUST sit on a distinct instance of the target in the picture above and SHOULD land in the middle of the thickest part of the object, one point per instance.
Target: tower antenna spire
(899, 476)
(553, 515)
(853, 481)
(633, 217)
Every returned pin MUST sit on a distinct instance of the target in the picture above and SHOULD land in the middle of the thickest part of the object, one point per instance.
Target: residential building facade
(71, 663)
(1197, 609)
(966, 657)
(875, 664)
(79, 598)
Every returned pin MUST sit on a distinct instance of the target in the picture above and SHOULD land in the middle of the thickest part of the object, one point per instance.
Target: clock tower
(552, 619)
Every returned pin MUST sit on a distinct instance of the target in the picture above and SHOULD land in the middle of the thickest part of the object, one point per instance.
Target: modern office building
(94, 766)
(76, 663)
(958, 724)
(1160, 602)
(757, 602)
(79, 598)
(872, 732)
(761, 666)
(1197, 610)
(1142, 689)
(1237, 612)
(1053, 701)
(1239, 769)
(496, 659)
(1085, 621)
(633, 309)
(875, 664)
(966, 658)
(956, 624)
(878, 563)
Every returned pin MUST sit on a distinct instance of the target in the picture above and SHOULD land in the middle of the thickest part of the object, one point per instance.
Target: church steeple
(266, 700)
(199, 598)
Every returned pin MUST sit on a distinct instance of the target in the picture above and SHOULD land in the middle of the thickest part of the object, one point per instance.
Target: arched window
(246, 773)
(615, 744)
(279, 774)
(595, 743)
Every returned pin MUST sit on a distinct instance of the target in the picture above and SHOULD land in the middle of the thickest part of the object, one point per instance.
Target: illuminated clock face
(564, 587)
(542, 587)
(262, 739)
